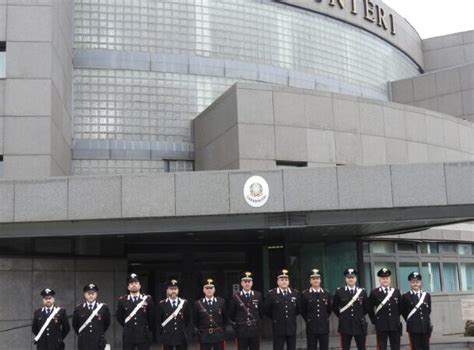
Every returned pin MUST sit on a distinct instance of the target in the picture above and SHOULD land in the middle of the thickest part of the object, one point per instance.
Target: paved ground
(439, 343)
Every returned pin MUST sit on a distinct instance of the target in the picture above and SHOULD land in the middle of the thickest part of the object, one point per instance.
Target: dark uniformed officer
(50, 324)
(245, 311)
(384, 312)
(282, 306)
(416, 310)
(174, 316)
(136, 314)
(350, 305)
(210, 318)
(91, 320)
(316, 307)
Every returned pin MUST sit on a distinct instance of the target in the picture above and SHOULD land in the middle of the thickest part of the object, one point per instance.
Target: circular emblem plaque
(256, 191)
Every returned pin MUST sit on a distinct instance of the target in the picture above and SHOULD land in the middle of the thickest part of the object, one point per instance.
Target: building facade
(131, 132)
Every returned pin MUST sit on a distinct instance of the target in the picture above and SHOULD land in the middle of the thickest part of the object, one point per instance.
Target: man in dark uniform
(210, 318)
(384, 312)
(316, 307)
(91, 320)
(50, 324)
(416, 310)
(136, 314)
(350, 305)
(245, 311)
(174, 317)
(282, 306)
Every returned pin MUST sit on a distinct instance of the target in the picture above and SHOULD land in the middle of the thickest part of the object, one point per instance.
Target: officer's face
(172, 292)
(415, 284)
(48, 301)
(351, 280)
(384, 281)
(246, 284)
(315, 282)
(90, 296)
(283, 282)
(134, 287)
(209, 291)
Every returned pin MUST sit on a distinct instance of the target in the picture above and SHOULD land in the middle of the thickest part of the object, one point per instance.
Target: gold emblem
(256, 189)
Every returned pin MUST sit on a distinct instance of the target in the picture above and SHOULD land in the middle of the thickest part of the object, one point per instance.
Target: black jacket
(57, 330)
(175, 331)
(246, 314)
(93, 336)
(420, 322)
(282, 310)
(388, 317)
(210, 321)
(316, 307)
(139, 329)
(351, 321)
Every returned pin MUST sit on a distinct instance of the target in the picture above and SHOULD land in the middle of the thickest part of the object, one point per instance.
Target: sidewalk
(437, 343)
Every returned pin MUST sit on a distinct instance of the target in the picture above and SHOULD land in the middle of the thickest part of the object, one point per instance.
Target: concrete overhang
(334, 201)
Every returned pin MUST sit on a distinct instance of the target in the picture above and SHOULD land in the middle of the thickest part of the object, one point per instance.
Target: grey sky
(436, 17)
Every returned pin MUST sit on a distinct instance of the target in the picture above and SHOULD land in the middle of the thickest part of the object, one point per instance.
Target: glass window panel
(428, 248)
(406, 247)
(382, 247)
(451, 280)
(431, 277)
(465, 249)
(389, 265)
(467, 277)
(405, 269)
(367, 277)
(366, 247)
(449, 248)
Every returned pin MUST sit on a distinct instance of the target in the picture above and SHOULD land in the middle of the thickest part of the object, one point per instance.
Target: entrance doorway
(192, 264)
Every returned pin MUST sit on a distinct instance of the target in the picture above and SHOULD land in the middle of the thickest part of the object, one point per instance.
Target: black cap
(208, 282)
(47, 292)
(91, 287)
(415, 275)
(172, 283)
(247, 275)
(315, 273)
(283, 274)
(133, 277)
(350, 272)
(384, 272)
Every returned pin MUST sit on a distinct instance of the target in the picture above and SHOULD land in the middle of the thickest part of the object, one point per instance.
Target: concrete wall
(252, 126)
(24, 278)
(183, 194)
(448, 50)
(449, 91)
(36, 97)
